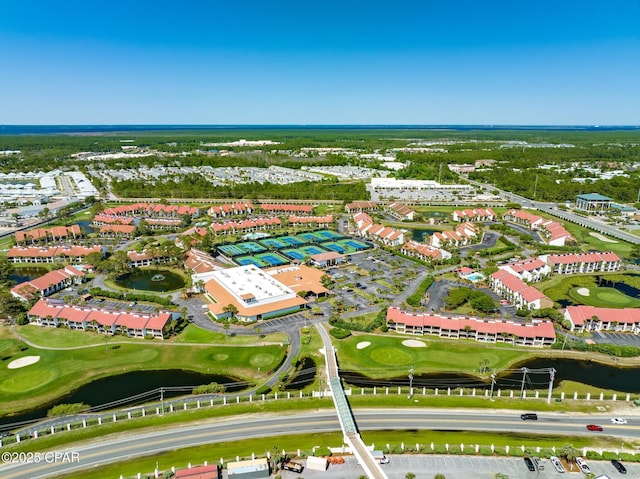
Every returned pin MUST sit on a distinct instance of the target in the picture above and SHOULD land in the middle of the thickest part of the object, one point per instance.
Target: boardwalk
(347, 423)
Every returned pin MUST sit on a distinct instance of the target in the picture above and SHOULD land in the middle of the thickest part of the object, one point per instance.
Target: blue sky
(323, 62)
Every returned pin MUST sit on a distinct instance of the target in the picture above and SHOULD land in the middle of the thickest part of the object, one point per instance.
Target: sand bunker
(602, 237)
(363, 344)
(22, 362)
(413, 343)
(582, 291)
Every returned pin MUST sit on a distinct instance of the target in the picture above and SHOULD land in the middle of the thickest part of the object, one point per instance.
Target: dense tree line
(195, 186)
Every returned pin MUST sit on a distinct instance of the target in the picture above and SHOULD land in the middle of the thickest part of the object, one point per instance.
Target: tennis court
(245, 260)
(293, 253)
(328, 234)
(355, 244)
(273, 243)
(272, 259)
(293, 240)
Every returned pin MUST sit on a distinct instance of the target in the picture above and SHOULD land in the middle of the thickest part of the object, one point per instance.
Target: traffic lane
(113, 450)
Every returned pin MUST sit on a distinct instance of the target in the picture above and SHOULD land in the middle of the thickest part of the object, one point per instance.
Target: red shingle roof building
(53, 254)
(102, 219)
(476, 214)
(200, 472)
(531, 269)
(221, 211)
(56, 233)
(138, 210)
(590, 318)
(582, 262)
(48, 284)
(424, 252)
(553, 232)
(360, 206)
(520, 294)
(385, 234)
(244, 226)
(115, 230)
(464, 234)
(400, 211)
(536, 333)
(54, 313)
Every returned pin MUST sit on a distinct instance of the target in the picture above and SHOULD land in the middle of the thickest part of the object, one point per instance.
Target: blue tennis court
(328, 234)
(293, 253)
(312, 249)
(272, 259)
(273, 243)
(355, 244)
(330, 245)
(245, 260)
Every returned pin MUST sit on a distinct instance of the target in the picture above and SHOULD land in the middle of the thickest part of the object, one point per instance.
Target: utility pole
(410, 382)
(552, 375)
(493, 382)
(162, 400)
(524, 377)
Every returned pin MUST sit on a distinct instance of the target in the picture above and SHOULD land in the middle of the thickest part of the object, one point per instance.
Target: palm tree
(569, 453)
(409, 475)
(439, 476)
(230, 309)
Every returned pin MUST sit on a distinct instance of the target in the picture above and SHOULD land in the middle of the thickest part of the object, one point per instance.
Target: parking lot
(620, 339)
(459, 467)
(388, 276)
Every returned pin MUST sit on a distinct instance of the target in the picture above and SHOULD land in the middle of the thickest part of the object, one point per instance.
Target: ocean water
(84, 129)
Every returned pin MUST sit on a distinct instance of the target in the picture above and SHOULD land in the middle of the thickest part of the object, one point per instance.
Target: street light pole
(410, 382)
(162, 400)
(493, 382)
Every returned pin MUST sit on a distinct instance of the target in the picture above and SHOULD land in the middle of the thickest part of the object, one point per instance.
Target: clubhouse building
(252, 294)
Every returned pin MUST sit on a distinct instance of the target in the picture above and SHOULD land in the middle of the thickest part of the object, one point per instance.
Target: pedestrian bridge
(345, 416)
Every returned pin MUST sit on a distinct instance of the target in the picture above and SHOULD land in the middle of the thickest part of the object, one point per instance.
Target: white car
(618, 420)
(582, 465)
(557, 464)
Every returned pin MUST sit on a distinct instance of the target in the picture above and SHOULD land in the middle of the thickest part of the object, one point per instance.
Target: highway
(126, 446)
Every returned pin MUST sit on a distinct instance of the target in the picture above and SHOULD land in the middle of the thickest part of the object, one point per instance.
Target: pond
(123, 386)
(421, 235)
(304, 376)
(21, 275)
(158, 280)
(585, 372)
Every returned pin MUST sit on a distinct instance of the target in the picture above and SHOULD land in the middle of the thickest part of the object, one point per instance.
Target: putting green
(26, 380)
(604, 298)
(262, 359)
(220, 357)
(391, 356)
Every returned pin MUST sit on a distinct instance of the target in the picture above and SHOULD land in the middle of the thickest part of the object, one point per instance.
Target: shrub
(340, 333)
(209, 388)
(65, 409)
(608, 456)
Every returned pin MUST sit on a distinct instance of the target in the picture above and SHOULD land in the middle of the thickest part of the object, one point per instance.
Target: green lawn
(195, 334)
(605, 298)
(563, 287)
(62, 338)
(59, 372)
(388, 356)
(621, 248)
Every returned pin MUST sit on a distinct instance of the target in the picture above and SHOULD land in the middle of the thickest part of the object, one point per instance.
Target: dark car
(529, 464)
(619, 467)
(529, 416)
(594, 427)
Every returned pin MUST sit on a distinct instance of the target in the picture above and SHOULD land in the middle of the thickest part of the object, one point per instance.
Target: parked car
(594, 427)
(618, 420)
(582, 465)
(619, 466)
(538, 462)
(529, 463)
(557, 464)
(529, 416)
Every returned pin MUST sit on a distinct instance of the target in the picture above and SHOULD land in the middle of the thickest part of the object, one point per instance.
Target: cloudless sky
(560, 62)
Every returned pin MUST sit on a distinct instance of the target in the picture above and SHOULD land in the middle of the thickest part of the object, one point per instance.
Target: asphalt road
(131, 445)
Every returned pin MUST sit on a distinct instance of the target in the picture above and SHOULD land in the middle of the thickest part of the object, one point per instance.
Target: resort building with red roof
(520, 294)
(52, 254)
(530, 270)
(536, 333)
(384, 234)
(324, 221)
(48, 284)
(424, 252)
(400, 211)
(572, 263)
(590, 318)
(245, 226)
(54, 313)
(476, 214)
(553, 232)
(360, 206)
(55, 233)
(222, 211)
(465, 234)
